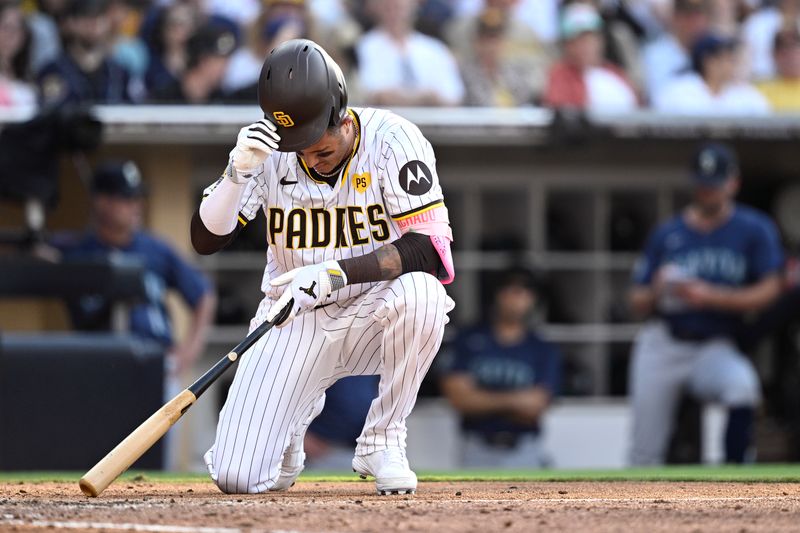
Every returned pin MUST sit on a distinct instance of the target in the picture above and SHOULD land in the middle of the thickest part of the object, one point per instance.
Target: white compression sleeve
(219, 211)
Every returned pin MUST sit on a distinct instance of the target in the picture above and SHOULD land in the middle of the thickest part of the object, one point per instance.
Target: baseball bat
(143, 437)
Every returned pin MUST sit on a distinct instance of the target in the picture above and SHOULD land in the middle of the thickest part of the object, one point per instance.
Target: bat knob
(87, 488)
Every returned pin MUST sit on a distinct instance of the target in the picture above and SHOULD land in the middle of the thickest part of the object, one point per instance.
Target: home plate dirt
(438, 507)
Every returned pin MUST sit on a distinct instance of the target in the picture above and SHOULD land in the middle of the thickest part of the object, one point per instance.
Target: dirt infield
(437, 506)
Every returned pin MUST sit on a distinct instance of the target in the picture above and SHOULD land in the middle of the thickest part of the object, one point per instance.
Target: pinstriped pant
(394, 330)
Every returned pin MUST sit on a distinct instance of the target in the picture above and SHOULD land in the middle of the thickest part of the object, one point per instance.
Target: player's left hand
(308, 285)
(696, 293)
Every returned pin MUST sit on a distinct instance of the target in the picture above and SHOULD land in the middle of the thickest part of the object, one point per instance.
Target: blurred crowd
(677, 56)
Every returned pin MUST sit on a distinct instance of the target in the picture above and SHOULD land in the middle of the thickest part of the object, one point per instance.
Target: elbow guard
(435, 224)
(426, 253)
(447, 272)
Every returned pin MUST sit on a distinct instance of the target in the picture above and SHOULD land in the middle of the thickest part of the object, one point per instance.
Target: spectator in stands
(433, 17)
(16, 89)
(400, 66)
(759, 32)
(331, 437)
(653, 16)
(582, 79)
(173, 25)
(209, 50)
(240, 12)
(85, 72)
(116, 206)
(45, 25)
(521, 41)
(620, 41)
(538, 16)
(711, 88)
(127, 48)
(280, 21)
(501, 378)
(492, 78)
(332, 13)
(514, 47)
(783, 92)
(727, 15)
(202, 14)
(669, 55)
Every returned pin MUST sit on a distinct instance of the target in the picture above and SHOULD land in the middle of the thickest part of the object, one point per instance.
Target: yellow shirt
(783, 94)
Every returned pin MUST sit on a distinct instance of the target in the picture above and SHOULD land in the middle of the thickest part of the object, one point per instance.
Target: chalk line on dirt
(155, 528)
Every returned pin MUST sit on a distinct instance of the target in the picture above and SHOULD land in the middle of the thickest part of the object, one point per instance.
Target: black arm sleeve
(205, 242)
(417, 253)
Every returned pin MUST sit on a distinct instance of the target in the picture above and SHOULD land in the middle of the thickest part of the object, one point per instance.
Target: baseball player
(356, 226)
(700, 273)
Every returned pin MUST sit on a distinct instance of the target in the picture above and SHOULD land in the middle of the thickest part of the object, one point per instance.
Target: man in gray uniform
(700, 273)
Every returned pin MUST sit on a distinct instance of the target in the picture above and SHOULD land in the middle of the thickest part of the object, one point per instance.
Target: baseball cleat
(395, 492)
(390, 469)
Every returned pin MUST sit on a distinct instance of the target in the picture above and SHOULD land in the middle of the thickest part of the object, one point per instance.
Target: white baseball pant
(393, 330)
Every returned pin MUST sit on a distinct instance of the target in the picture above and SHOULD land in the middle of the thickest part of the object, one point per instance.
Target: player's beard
(710, 210)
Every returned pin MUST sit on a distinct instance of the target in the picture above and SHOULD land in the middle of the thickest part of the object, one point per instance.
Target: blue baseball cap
(714, 164)
(121, 179)
(709, 45)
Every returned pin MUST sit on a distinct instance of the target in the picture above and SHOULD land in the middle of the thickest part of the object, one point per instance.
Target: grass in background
(751, 473)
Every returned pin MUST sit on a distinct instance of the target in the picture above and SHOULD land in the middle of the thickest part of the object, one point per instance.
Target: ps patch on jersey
(361, 181)
(415, 178)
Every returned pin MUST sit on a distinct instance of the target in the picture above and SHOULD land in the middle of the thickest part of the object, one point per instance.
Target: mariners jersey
(741, 252)
(499, 367)
(388, 185)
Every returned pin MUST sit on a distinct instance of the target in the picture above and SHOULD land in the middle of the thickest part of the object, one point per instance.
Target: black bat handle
(204, 382)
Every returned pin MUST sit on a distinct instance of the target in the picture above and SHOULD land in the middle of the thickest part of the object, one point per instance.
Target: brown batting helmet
(302, 90)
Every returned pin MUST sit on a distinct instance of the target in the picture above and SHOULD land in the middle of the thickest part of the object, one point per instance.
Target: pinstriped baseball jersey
(389, 181)
(393, 328)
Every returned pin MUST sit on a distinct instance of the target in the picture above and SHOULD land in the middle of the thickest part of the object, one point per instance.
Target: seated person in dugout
(501, 377)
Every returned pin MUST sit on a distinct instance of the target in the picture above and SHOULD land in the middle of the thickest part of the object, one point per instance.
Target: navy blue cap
(517, 276)
(714, 164)
(276, 24)
(87, 8)
(209, 41)
(121, 179)
(708, 45)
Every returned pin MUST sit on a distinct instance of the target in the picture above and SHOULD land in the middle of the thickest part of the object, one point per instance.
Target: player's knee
(742, 388)
(215, 469)
(229, 488)
(232, 479)
(423, 292)
(238, 483)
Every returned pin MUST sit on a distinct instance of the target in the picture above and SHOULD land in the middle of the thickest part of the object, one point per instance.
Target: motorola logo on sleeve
(416, 178)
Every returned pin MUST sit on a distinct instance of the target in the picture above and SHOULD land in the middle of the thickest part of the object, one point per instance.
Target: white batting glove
(254, 145)
(308, 286)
